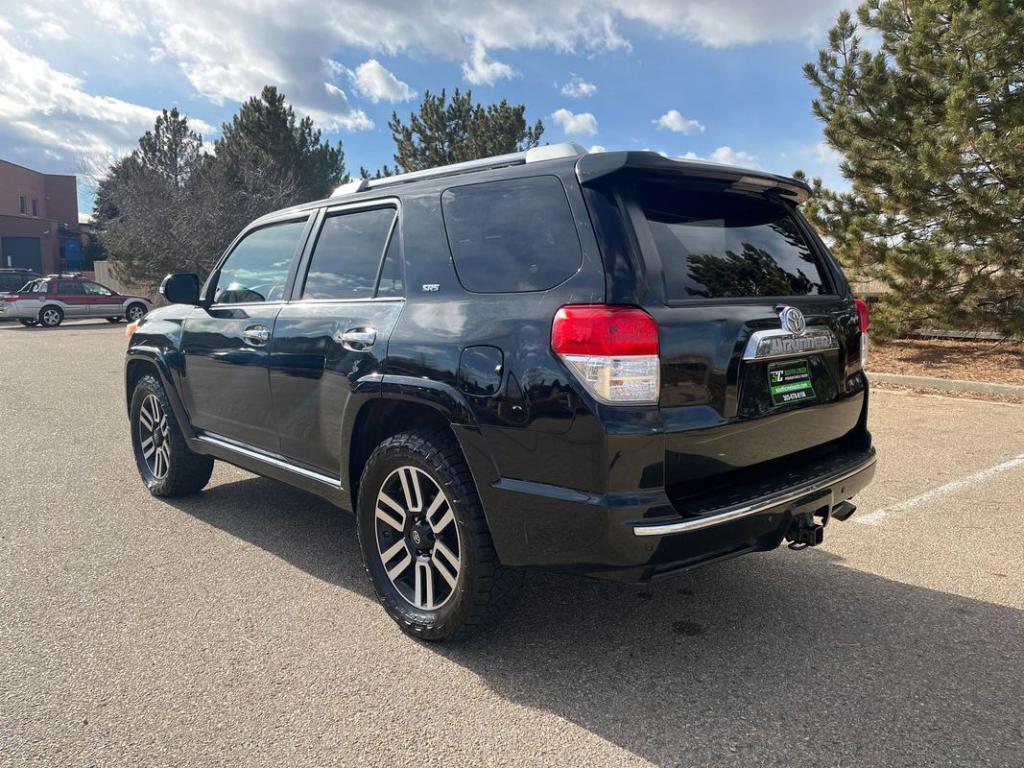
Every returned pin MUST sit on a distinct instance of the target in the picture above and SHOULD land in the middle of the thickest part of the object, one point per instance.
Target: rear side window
(347, 255)
(257, 269)
(70, 288)
(717, 244)
(511, 236)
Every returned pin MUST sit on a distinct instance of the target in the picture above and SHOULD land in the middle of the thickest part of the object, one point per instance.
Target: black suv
(614, 363)
(13, 278)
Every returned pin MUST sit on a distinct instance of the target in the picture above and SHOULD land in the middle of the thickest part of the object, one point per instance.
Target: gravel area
(1000, 363)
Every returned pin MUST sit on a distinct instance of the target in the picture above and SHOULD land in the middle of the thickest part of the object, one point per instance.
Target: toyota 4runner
(613, 363)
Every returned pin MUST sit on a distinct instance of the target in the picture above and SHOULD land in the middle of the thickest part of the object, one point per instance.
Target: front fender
(157, 344)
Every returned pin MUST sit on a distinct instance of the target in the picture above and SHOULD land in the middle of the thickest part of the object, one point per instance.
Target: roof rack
(534, 155)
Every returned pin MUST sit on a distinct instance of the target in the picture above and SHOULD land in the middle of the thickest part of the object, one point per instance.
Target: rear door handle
(357, 339)
(256, 335)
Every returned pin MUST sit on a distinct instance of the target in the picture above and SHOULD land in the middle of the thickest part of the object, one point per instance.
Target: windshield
(718, 244)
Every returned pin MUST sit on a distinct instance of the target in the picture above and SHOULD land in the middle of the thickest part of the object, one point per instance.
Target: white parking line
(876, 517)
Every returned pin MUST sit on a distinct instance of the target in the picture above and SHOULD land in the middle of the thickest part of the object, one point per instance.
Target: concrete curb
(948, 385)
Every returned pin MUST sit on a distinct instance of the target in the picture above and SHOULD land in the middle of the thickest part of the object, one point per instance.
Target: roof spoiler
(590, 168)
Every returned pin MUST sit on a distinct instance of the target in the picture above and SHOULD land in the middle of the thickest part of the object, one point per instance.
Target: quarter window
(257, 269)
(392, 282)
(509, 236)
(347, 255)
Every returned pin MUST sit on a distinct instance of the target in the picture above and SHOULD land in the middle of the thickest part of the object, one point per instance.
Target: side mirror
(181, 288)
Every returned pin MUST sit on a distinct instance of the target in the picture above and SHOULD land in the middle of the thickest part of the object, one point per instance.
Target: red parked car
(48, 300)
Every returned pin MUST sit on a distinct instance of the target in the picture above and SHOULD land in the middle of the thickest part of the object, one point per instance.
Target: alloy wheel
(135, 313)
(51, 317)
(418, 538)
(154, 434)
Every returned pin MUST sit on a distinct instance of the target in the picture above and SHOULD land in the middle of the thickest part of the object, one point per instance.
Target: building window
(35, 207)
(21, 202)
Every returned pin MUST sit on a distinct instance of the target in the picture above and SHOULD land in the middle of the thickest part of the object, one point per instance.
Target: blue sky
(718, 79)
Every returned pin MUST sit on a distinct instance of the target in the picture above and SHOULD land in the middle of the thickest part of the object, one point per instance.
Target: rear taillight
(10, 298)
(864, 316)
(613, 351)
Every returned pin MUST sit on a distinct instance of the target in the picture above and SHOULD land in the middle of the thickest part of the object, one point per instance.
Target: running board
(254, 455)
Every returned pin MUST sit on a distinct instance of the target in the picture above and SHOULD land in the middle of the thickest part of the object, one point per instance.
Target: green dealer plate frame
(790, 382)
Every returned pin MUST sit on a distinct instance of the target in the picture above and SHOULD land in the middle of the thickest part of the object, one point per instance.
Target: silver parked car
(48, 300)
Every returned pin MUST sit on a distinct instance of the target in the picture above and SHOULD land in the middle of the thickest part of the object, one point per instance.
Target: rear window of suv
(718, 244)
(511, 236)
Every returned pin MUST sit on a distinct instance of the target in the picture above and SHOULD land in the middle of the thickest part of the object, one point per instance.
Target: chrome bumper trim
(761, 505)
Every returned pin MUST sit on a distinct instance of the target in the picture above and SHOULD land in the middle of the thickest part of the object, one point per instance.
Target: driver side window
(257, 269)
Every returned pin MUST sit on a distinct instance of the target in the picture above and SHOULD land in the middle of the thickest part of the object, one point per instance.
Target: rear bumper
(643, 535)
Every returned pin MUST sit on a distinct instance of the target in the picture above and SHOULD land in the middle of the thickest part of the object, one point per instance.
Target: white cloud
(480, 70)
(227, 52)
(583, 123)
(48, 118)
(729, 156)
(673, 121)
(117, 15)
(51, 30)
(374, 81)
(578, 88)
(827, 153)
(342, 114)
(597, 148)
(721, 23)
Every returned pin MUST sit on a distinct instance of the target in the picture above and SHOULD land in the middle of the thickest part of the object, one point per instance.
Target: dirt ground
(1000, 363)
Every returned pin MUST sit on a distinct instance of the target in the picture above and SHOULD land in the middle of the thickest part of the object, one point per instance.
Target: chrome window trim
(274, 462)
(814, 339)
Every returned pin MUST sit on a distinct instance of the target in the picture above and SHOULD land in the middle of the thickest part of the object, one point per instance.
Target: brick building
(39, 227)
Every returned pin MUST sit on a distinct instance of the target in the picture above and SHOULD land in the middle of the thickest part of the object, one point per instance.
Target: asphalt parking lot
(237, 628)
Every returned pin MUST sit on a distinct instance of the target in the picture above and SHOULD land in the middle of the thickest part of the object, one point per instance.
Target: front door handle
(358, 339)
(256, 335)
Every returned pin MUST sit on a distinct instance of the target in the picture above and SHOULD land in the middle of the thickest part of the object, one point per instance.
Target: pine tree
(931, 128)
(266, 149)
(143, 204)
(171, 207)
(445, 132)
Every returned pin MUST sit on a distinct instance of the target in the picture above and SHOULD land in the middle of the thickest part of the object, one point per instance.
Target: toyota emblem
(793, 321)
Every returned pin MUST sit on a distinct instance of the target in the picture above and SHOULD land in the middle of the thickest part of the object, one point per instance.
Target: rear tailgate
(759, 336)
(717, 404)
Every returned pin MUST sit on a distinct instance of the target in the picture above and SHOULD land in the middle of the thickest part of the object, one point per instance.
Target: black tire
(113, 319)
(135, 312)
(51, 316)
(179, 471)
(484, 590)
(28, 323)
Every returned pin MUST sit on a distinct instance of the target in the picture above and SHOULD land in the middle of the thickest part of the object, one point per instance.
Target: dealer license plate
(790, 382)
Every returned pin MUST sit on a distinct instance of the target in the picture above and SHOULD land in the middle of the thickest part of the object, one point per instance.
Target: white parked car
(48, 300)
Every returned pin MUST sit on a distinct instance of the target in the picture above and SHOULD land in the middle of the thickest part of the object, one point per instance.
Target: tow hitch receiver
(805, 531)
